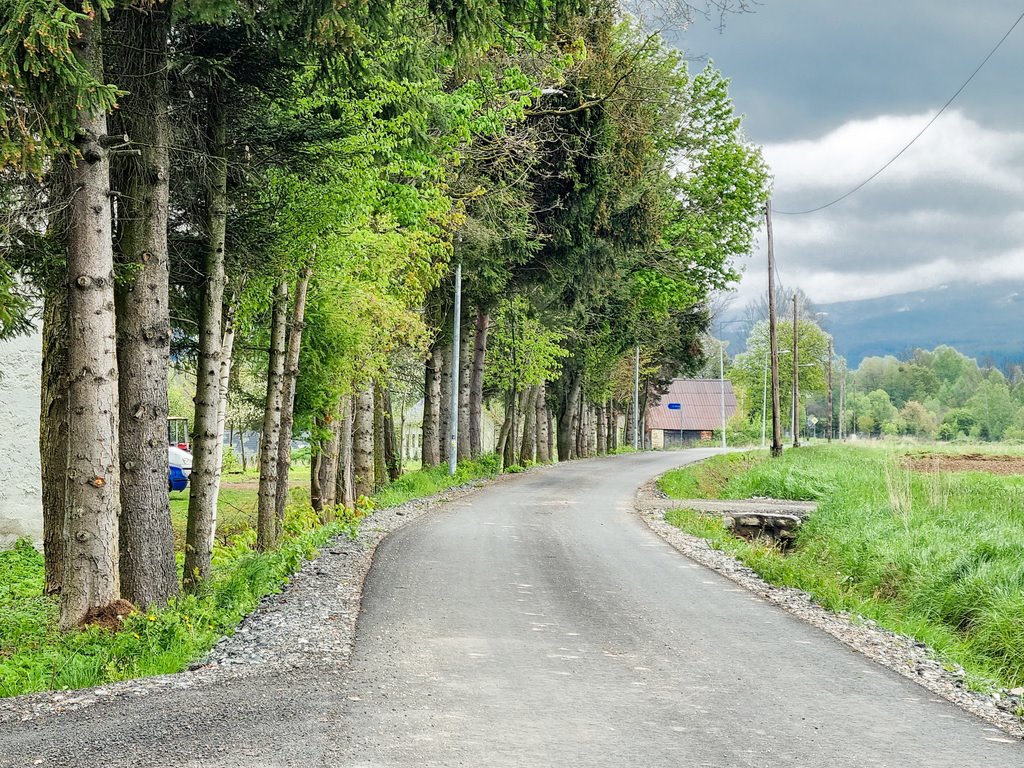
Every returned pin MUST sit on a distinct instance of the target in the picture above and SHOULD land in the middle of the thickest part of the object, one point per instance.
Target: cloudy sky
(832, 90)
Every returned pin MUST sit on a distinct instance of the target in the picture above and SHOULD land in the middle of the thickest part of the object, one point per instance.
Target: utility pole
(796, 377)
(636, 400)
(773, 337)
(453, 448)
(830, 389)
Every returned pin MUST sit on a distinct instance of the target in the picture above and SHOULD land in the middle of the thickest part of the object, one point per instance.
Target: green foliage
(427, 482)
(939, 393)
(35, 656)
(935, 556)
(522, 351)
(748, 370)
(43, 84)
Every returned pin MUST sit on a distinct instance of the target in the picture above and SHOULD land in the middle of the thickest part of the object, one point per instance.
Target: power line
(920, 133)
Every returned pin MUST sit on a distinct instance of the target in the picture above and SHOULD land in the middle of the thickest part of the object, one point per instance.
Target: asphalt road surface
(540, 623)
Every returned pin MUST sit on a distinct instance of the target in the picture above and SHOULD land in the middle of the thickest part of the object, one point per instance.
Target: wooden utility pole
(773, 337)
(796, 377)
(830, 390)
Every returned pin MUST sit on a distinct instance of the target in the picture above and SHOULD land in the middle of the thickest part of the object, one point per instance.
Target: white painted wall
(21, 506)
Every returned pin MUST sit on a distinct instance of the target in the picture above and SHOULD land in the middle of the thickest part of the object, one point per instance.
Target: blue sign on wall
(675, 406)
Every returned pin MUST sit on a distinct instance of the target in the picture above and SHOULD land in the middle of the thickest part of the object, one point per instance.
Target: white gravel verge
(310, 623)
(909, 658)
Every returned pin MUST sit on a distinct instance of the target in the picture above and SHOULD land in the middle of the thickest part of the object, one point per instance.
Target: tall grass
(938, 557)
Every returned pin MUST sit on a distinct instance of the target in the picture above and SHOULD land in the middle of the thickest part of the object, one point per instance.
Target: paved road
(539, 623)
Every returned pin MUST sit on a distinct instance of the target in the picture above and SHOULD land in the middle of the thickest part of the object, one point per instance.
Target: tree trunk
(316, 486)
(270, 436)
(392, 457)
(330, 468)
(94, 484)
(380, 470)
(613, 427)
(241, 450)
(323, 475)
(602, 429)
(290, 376)
(444, 406)
(528, 445)
(227, 349)
(466, 354)
(343, 479)
(511, 443)
(580, 428)
(148, 571)
(506, 427)
(53, 431)
(362, 444)
(549, 428)
(567, 415)
(630, 424)
(202, 500)
(543, 425)
(476, 387)
(430, 450)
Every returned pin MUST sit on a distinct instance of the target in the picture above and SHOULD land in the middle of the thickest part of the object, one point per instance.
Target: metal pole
(721, 383)
(830, 390)
(796, 378)
(636, 400)
(453, 448)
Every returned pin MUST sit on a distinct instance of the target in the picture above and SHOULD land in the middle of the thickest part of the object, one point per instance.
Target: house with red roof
(690, 411)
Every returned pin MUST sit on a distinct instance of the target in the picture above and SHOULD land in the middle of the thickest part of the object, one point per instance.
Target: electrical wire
(920, 133)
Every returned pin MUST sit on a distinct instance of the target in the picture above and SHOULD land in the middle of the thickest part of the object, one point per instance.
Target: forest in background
(938, 394)
(275, 197)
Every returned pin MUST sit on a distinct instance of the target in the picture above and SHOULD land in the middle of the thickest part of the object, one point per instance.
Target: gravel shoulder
(903, 655)
(310, 623)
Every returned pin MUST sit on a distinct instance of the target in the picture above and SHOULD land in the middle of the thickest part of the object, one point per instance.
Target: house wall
(21, 506)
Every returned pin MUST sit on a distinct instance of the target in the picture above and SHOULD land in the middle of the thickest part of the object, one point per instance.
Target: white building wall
(21, 506)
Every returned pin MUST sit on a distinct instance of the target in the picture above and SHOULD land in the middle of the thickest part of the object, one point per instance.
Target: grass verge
(36, 656)
(933, 556)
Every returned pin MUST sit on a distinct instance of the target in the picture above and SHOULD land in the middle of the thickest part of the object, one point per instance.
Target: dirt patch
(109, 617)
(967, 462)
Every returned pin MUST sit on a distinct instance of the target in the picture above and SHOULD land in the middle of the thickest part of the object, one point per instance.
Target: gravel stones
(901, 654)
(311, 624)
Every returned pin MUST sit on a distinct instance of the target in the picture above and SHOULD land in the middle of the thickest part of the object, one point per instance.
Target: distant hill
(985, 322)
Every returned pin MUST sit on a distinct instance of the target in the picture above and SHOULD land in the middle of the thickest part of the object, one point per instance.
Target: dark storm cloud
(834, 90)
(802, 67)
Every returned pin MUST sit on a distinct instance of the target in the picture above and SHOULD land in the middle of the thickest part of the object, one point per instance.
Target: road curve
(540, 623)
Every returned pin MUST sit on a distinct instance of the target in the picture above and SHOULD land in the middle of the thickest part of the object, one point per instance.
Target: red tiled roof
(701, 405)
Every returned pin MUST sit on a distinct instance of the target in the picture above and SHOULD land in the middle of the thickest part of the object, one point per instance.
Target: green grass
(36, 656)
(427, 482)
(934, 556)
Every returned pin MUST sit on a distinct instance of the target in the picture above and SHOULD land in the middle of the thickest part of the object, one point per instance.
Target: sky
(832, 90)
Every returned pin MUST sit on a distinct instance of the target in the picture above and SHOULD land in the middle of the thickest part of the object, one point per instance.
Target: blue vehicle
(179, 463)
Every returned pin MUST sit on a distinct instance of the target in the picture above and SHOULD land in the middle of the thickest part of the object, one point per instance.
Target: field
(927, 543)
